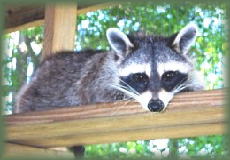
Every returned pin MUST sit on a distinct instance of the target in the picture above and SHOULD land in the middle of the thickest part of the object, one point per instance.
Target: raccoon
(147, 68)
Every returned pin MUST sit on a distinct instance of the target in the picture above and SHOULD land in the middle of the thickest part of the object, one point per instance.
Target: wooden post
(60, 26)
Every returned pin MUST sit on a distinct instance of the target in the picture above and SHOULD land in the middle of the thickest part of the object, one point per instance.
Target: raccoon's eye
(172, 79)
(140, 78)
(168, 76)
(138, 82)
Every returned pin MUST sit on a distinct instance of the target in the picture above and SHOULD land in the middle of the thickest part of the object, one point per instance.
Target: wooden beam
(188, 115)
(22, 17)
(94, 7)
(17, 151)
(60, 28)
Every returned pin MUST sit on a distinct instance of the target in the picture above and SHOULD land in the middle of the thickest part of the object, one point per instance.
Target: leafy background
(23, 50)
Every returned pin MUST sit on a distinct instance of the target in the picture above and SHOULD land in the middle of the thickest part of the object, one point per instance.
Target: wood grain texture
(60, 27)
(188, 115)
(25, 16)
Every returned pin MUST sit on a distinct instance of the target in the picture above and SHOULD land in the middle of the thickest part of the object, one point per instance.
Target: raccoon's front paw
(78, 151)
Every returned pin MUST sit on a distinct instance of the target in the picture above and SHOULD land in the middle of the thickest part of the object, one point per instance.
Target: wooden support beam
(22, 17)
(60, 28)
(188, 115)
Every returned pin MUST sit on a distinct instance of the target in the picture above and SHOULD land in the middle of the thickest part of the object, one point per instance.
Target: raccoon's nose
(155, 105)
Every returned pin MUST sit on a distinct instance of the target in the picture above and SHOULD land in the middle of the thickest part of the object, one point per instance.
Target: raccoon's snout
(155, 105)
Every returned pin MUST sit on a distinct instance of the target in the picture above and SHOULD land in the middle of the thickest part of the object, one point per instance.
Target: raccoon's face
(153, 68)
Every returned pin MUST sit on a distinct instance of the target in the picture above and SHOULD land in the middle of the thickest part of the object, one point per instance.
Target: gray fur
(73, 79)
(70, 79)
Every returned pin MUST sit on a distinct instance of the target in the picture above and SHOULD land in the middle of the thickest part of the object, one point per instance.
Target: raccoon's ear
(118, 41)
(185, 38)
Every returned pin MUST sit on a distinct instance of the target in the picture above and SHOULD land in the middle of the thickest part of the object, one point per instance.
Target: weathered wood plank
(189, 114)
(60, 27)
(181, 131)
(22, 17)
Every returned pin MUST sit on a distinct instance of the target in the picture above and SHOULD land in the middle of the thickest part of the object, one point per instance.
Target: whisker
(131, 88)
(183, 86)
(179, 88)
(125, 90)
(180, 83)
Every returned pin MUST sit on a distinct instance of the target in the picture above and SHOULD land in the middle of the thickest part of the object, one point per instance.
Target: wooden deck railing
(188, 115)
